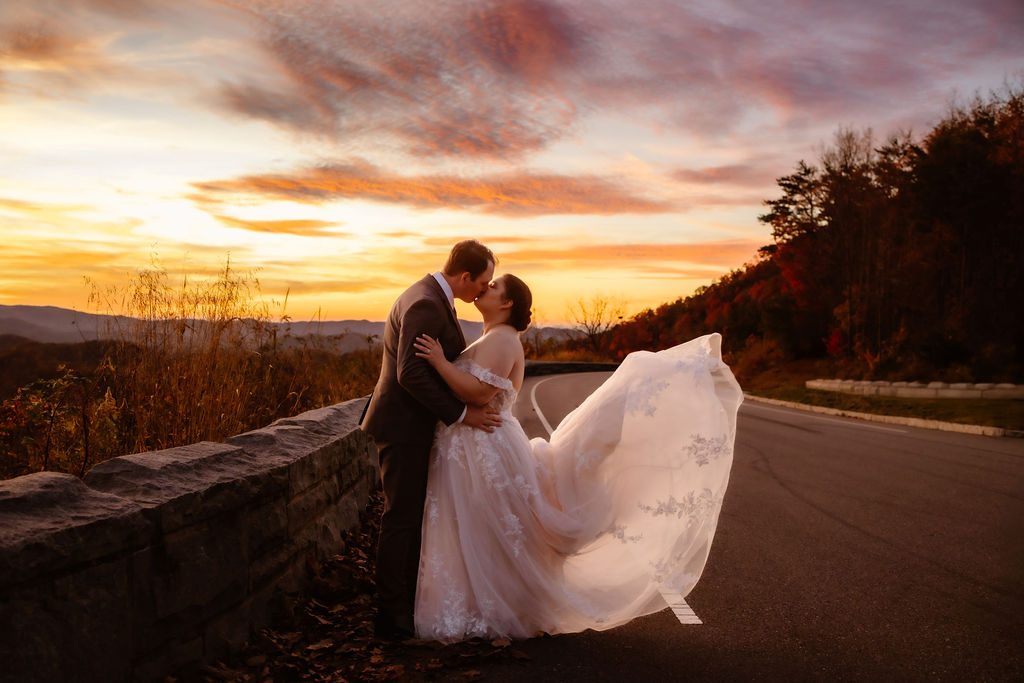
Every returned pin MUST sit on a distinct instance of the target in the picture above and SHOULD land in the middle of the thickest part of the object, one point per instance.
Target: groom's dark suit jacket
(410, 397)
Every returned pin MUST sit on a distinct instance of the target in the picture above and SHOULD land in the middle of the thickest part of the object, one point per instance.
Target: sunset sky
(611, 147)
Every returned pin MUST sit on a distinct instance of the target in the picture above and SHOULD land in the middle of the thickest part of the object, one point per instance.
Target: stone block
(178, 487)
(225, 634)
(937, 385)
(899, 384)
(355, 470)
(200, 569)
(915, 392)
(52, 630)
(961, 385)
(1003, 393)
(321, 539)
(961, 393)
(335, 421)
(179, 658)
(263, 605)
(984, 385)
(317, 464)
(311, 504)
(266, 525)
(346, 512)
(33, 633)
(269, 566)
(97, 611)
(51, 521)
(307, 455)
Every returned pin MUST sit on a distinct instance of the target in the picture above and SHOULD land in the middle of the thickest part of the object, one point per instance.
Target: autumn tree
(902, 255)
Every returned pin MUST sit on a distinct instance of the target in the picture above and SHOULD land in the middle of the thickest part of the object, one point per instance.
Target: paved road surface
(846, 550)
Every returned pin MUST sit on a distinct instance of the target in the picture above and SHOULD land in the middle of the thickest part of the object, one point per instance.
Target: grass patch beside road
(787, 384)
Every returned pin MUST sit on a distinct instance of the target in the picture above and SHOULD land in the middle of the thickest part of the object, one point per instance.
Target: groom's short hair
(469, 256)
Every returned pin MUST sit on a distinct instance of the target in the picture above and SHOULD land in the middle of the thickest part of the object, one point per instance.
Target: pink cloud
(512, 194)
(468, 80)
(504, 79)
(752, 174)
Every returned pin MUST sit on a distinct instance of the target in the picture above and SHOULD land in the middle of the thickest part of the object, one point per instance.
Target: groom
(405, 407)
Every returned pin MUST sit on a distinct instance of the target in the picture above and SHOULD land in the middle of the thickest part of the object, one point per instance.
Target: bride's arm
(465, 385)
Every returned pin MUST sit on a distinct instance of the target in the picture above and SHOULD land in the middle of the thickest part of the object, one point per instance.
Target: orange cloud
(723, 253)
(304, 228)
(333, 286)
(26, 208)
(61, 59)
(398, 233)
(518, 194)
(659, 271)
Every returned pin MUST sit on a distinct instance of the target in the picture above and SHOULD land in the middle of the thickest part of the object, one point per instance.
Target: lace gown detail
(585, 530)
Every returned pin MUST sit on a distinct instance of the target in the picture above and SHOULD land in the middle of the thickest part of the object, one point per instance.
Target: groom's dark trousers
(401, 416)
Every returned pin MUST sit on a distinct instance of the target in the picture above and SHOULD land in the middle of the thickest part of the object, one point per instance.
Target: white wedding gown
(585, 530)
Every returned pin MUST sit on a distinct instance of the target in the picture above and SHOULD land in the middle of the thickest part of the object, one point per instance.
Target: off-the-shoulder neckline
(490, 377)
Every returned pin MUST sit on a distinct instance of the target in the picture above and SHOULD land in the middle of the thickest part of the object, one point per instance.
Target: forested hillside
(901, 257)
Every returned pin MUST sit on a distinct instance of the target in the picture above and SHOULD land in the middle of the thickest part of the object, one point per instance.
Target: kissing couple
(486, 533)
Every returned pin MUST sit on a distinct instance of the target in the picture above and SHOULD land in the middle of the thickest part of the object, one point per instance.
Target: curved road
(846, 550)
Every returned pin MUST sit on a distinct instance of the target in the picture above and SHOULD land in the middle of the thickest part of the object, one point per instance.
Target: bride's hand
(429, 348)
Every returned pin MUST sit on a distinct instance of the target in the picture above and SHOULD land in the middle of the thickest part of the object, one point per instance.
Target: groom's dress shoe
(394, 627)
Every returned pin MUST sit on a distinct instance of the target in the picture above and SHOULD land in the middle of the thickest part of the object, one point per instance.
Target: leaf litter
(326, 632)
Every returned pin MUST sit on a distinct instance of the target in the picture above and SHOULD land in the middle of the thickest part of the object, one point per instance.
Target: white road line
(848, 421)
(684, 613)
(536, 408)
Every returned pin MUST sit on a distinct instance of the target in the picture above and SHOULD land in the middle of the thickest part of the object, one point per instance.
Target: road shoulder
(982, 430)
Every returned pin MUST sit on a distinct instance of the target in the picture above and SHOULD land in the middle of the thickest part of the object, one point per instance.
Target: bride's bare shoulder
(498, 350)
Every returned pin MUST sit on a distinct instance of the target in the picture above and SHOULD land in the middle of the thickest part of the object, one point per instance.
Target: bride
(585, 530)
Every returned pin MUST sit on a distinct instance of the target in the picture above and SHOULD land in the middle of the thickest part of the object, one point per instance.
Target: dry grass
(200, 360)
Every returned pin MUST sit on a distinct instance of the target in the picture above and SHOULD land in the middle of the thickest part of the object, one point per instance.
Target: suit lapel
(436, 288)
(458, 327)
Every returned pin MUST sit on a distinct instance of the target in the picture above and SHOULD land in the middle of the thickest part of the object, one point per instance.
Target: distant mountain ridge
(61, 325)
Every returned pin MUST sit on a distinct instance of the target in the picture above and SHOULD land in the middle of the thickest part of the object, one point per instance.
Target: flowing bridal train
(587, 529)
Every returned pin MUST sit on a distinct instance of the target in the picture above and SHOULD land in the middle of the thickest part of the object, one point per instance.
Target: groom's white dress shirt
(447, 290)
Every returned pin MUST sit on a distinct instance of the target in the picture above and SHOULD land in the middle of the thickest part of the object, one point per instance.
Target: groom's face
(470, 288)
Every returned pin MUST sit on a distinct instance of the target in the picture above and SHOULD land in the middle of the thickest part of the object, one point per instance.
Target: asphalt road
(846, 550)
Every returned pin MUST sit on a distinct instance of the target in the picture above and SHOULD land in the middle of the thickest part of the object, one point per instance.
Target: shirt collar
(446, 288)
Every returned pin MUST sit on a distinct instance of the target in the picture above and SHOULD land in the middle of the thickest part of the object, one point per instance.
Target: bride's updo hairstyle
(522, 300)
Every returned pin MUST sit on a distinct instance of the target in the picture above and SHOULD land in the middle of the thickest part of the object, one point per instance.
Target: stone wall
(918, 389)
(158, 561)
(535, 368)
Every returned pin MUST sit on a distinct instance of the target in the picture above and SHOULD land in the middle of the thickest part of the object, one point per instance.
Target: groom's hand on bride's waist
(482, 417)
